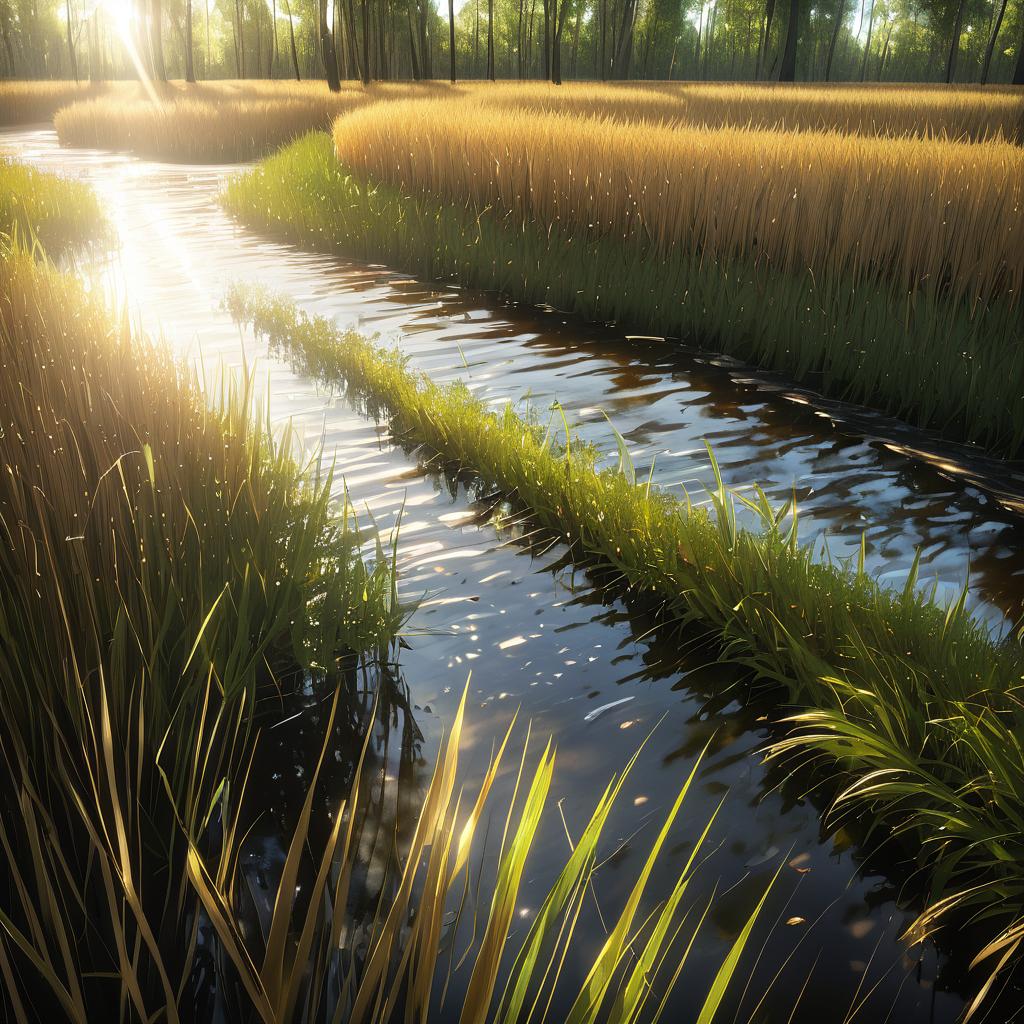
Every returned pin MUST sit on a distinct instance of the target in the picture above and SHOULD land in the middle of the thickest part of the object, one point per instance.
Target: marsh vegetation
(197, 604)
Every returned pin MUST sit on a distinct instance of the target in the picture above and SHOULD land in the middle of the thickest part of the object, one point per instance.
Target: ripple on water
(538, 635)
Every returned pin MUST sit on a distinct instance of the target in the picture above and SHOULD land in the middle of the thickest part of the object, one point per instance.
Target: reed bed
(952, 366)
(35, 102)
(954, 112)
(165, 561)
(912, 706)
(197, 130)
(968, 113)
(934, 217)
(31, 102)
(56, 212)
(216, 122)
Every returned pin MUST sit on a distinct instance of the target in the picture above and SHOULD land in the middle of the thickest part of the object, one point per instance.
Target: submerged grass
(44, 208)
(915, 709)
(164, 561)
(946, 364)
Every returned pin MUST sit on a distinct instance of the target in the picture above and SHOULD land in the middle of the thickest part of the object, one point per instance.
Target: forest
(969, 41)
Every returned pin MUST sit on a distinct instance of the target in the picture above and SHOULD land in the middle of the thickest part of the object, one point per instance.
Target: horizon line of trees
(382, 40)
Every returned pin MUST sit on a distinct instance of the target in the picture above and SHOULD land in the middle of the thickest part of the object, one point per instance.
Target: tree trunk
(342, 39)
(787, 69)
(519, 42)
(867, 44)
(366, 41)
(990, 49)
(624, 51)
(762, 50)
(71, 41)
(451, 40)
(236, 26)
(275, 48)
(840, 14)
(954, 43)
(885, 50)
(330, 62)
(291, 40)
(414, 61)
(575, 41)
(5, 28)
(490, 39)
(190, 71)
(561, 12)
(604, 40)
(1018, 71)
(157, 41)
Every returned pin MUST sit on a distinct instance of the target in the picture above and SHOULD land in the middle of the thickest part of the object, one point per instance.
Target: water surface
(541, 637)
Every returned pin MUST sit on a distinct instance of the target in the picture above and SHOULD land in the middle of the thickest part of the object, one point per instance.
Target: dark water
(540, 637)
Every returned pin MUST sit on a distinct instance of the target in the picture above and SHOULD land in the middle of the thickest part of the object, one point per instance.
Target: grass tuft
(56, 212)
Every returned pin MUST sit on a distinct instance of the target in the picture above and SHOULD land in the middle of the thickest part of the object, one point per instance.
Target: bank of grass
(56, 212)
(913, 708)
(957, 112)
(938, 219)
(851, 332)
(954, 112)
(33, 102)
(165, 562)
(216, 122)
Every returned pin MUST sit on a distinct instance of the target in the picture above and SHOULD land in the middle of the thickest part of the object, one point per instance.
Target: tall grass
(957, 112)
(216, 123)
(56, 212)
(912, 707)
(32, 102)
(934, 217)
(29, 102)
(950, 365)
(965, 112)
(165, 561)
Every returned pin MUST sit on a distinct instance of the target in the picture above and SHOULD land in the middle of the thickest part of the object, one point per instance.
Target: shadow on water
(551, 638)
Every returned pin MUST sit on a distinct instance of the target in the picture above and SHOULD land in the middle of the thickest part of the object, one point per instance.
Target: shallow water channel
(542, 637)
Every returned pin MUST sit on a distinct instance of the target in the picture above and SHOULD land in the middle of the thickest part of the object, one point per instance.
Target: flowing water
(544, 638)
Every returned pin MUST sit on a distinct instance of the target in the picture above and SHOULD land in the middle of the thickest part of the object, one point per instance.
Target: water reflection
(537, 632)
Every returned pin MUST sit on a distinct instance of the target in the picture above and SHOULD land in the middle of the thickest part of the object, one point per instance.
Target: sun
(122, 17)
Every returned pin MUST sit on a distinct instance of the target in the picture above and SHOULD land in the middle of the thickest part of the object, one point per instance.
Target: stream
(544, 638)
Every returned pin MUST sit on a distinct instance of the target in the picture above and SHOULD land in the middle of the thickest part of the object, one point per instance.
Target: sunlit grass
(216, 122)
(390, 965)
(964, 112)
(31, 102)
(957, 112)
(921, 355)
(56, 212)
(165, 560)
(937, 218)
(913, 709)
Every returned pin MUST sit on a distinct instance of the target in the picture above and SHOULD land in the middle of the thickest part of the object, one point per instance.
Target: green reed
(912, 706)
(939, 365)
(56, 212)
(166, 562)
